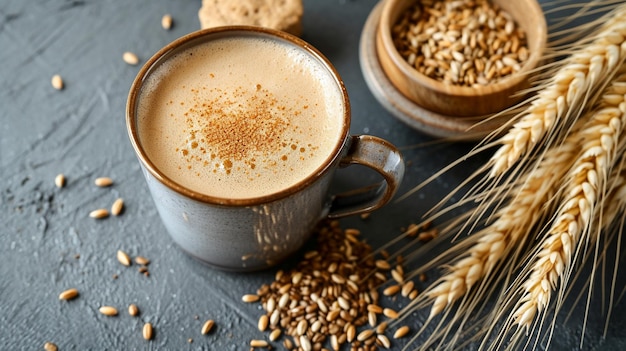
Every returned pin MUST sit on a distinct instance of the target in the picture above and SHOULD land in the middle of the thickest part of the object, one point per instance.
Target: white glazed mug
(256, 233)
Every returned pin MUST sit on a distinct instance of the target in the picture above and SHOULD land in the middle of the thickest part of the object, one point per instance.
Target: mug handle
(379, 155)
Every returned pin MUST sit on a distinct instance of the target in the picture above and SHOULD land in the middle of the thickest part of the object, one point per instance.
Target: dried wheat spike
(558, 100)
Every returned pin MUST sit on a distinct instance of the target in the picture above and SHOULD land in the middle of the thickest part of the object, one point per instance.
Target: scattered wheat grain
(384, 340)
(103, 181)
(389, 313)
(401, 332)
(166, 21)
(57, 82)
(130, 58)
(207, 327)
(108, 311)
(365, 334)
(59, 180)
(275, 334)
(250, 298)
(381, 327)
(263, 322)
(407, 288)
(133, 310)
(142, 260)
(147, 331)
(258, 343)
(305, 343)
(117, 207)
(69, 294)
(382, 264)
(391, 290)
(99, 213)
(123, 258)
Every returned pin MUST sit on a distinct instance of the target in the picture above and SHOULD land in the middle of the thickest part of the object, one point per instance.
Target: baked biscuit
(285, 15)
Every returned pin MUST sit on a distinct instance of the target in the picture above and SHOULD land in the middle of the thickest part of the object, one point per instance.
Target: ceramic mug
(246, 234)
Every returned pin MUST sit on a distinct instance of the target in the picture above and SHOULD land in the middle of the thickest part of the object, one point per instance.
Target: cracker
(284, 15)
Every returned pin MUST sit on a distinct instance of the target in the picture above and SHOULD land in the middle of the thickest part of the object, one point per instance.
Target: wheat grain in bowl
(464, 43)
(461, 58)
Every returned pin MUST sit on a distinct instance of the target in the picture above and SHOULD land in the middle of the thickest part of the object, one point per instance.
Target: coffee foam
(239, 117)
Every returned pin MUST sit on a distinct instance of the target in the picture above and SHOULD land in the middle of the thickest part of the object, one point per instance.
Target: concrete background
(47, 241)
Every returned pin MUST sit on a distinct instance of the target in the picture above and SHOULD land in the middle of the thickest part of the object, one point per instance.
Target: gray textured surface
(80, 131)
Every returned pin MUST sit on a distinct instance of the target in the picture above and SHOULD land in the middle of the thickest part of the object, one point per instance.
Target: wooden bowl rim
(429, 83)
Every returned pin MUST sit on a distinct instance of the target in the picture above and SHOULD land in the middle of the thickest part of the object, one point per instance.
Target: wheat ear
(585, 185)
(578, 74)
(511, 225)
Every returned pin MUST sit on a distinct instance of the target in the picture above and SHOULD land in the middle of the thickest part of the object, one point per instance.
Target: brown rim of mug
(206, 34)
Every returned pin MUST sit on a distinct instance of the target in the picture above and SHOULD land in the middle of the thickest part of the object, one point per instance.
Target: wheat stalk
(580, 72)
(585, 186)
(511, 225)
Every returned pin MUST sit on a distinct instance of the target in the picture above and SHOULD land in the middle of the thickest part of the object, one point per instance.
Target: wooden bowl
(454, 100)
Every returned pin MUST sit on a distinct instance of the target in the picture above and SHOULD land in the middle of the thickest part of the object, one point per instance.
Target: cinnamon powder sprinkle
(243, 136)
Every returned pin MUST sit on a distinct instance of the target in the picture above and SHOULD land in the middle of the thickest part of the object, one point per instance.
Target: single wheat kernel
(338, 278)
(398, 276)
(103, 181)
(263, 322)
(49, 346)
(407, 288)
(350, 333)
(401, 332)
(133, 310)
(108, 310)
(305, 343)
(270, 305)
(388, 312)
(258, 343)
(166, 21)
(99, 213)
(302, 327)
(371, 318)
(59, 180)
(296, 278)
(382, 264)
(343, 303)
(384, 340)
(123, 258)
(391, 290)
(117, 207)
(365, 334)
(275, 317)
(57, 82)
(250, 298)
(207, 326)
(130, 58)
(275, 334)
(147, 331)
(68, 294)
(334, 343)
(374, 308)
(380, 328)
(142, 260)
(284, 300)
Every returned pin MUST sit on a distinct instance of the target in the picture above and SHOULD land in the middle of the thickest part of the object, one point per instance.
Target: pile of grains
(331, 296)
(460, 42)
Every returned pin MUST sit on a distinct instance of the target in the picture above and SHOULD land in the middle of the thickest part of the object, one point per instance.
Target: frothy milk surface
(239, 117)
